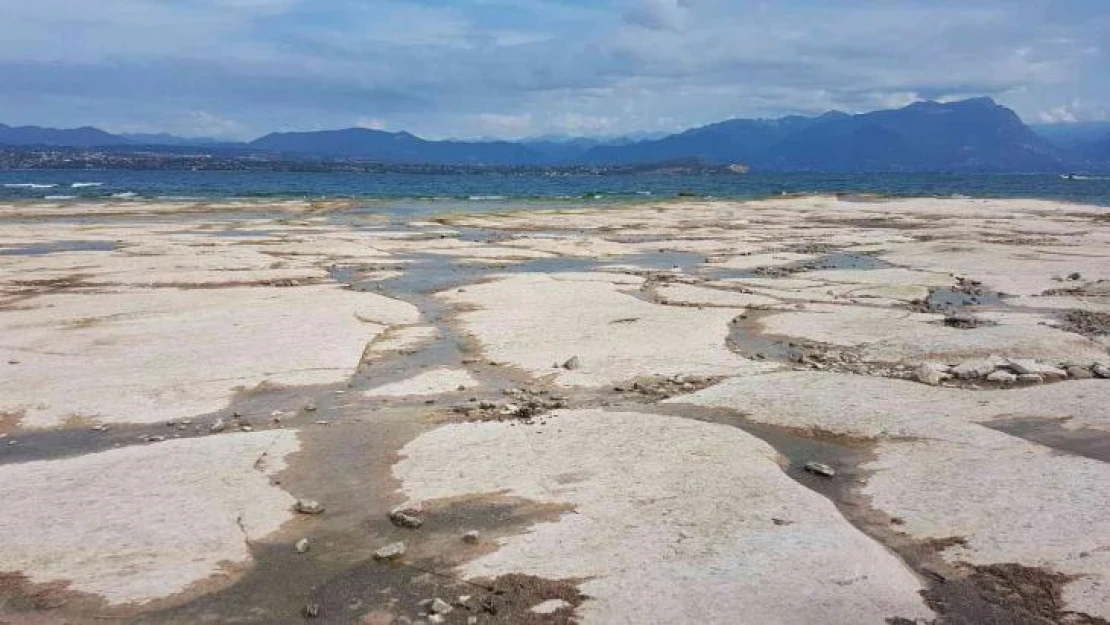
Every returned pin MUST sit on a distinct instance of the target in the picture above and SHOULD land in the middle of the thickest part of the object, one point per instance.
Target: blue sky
(512, 68)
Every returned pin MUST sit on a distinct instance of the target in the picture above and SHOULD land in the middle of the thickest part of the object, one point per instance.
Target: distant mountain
(1069, 135)
(971, 135)
(163, 138)
(395, 147)
(85, 137)
(974, 135)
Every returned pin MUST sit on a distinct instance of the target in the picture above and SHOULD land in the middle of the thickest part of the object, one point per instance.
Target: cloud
(658, 14)
(482, 67)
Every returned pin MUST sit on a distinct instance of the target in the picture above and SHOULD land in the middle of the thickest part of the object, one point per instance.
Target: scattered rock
(1002, 377)
(439, 606)
(971, 369)
(550, 606)
(310, 406)
(409, 517)
(1075, 276)
(312, 610)
(818, 468)
(927, 373)
(436, 618)
(1101, 370)
(472, 537)
(1076, 372)
(572, 364)
(1025, 366)
(390, 552)
(217, 427)
(301, 546)
(308, 506)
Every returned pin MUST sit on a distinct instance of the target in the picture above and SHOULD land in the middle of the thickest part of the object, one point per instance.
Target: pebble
(1002, 377)
(217, 427)
(308, 506)
(1079, 373)
(927, 374)
(439, 606)
(312, 610)
(572, 364)
(1101, 370)
(818, 468)
(310, 406)
(390, 552)
(407, 517)
(471, 537)
(472, 620)
(301, 546)
(971, 369)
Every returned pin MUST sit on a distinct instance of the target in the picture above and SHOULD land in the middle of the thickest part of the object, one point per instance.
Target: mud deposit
(804, 410)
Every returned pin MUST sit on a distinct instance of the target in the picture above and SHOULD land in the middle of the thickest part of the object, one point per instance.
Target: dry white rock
(115, 523)
(697, 509)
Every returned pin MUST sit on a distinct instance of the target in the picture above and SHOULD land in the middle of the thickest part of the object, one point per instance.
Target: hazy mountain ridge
(966, 136)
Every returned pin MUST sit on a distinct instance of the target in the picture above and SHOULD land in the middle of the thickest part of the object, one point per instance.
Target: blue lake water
(480, 191)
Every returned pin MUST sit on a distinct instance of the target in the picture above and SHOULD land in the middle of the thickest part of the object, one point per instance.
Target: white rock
(439, 606)
(550, 606)
(818, 468)
(308, 506)
(629, 552)
(1002, 377)
(1101, 370)
(927, 374)
(390, 552)
(114, 523)
(472, 537)
(301, 546)
(971, 369)
(1026, 366)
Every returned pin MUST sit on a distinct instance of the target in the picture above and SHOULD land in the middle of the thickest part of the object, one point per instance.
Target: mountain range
(976, 135)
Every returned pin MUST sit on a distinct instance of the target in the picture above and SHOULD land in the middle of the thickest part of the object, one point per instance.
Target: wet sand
(624, 403)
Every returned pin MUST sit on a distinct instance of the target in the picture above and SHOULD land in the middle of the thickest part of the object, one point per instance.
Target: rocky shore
(800, 410)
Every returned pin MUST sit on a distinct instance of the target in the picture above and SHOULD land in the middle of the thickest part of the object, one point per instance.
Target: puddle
(746, 339)
(947, 298)
(1087, 442)
(55, 247)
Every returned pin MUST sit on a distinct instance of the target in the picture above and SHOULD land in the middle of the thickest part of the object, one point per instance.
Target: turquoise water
(477, 190)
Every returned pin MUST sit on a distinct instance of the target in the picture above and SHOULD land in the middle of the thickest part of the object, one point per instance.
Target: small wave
(28, 185)
(59, 197)
(486, 198)
(85, 185)
(125, 196)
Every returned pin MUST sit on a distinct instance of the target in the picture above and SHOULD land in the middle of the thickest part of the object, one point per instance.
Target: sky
(237, 69)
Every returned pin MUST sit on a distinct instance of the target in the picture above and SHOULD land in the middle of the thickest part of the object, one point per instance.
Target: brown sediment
(9, 421)
(1086, 322)
(1001, 594)
(23, 602)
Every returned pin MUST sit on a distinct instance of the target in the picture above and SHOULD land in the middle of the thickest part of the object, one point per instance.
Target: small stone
(436, 618)
(927, 374)
(510, 409)
(301, 546)
(312, 610)
(472, 537)
(155, 439)
(308, 506)
(818, 468)
(1101, 370)
(1002, 377)
(1079, 373)
(572, 364)
(463, 599)
(217, 427)
(1075, 276)
(408, 517)
(439, 606)
(390, 552)
(1047, 372)
(487, 405)
(971, 369)
(472, 620)
(310, 406)
(246, 428)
